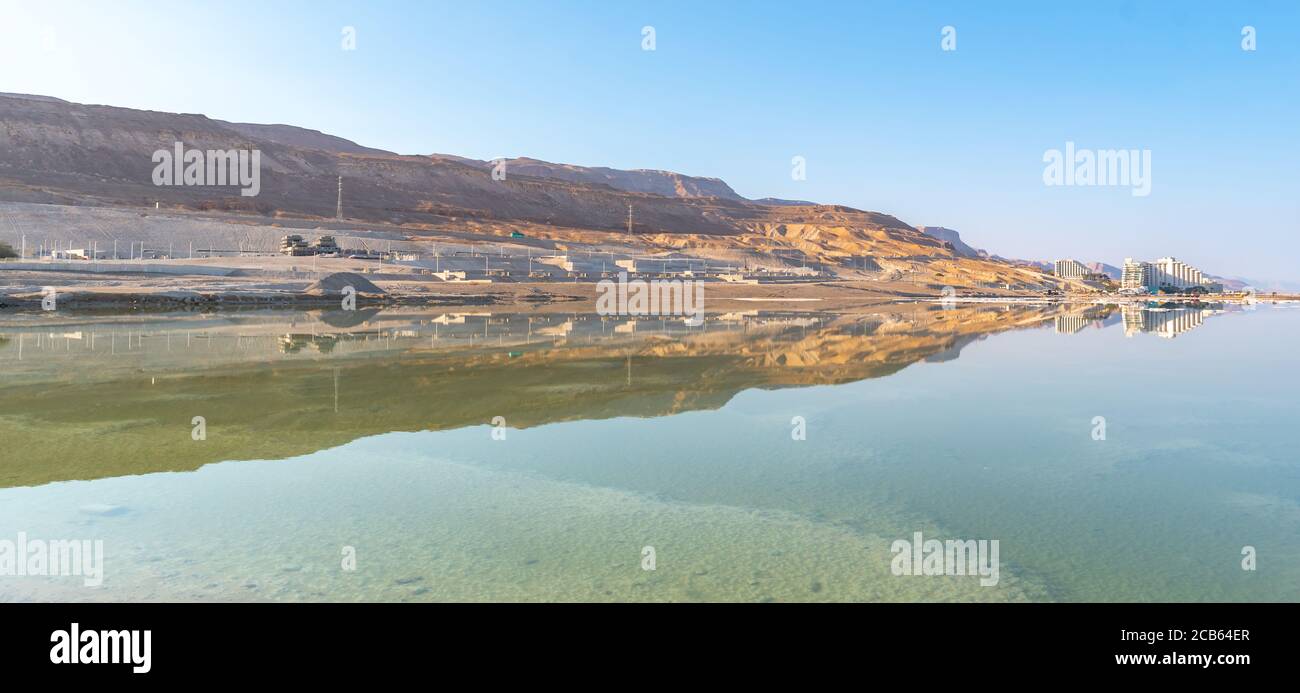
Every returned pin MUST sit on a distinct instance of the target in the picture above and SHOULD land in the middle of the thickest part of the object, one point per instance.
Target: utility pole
(629, 219)
(338, 212)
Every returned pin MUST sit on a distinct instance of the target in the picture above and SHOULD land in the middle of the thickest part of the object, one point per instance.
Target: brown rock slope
(54, 151)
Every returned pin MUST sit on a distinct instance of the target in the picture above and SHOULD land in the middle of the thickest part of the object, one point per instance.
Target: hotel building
(1165, 272)
(1071, 269)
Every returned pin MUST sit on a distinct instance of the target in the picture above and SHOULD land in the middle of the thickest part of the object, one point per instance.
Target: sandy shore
(284, 281)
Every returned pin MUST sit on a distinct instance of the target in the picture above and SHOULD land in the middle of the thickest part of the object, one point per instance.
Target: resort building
(1165, 273)
(1071, 269)
(1168, 271)
(1134, 275)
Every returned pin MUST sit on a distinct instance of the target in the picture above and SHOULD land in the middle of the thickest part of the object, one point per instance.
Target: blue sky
(885, 119)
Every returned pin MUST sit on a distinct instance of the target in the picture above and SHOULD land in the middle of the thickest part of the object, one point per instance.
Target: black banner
(940, 643)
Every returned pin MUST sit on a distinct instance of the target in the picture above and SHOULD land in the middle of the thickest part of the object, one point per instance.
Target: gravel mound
(334, 284)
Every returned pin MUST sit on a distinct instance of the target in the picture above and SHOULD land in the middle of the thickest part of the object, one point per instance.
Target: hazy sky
(885, 119)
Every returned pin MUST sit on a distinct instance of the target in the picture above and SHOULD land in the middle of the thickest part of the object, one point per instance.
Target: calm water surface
(374, 431)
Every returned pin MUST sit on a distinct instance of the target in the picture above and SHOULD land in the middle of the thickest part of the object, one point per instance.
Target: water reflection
(1092, 316)
(1167, 321)
(376, 434)
(278, 384)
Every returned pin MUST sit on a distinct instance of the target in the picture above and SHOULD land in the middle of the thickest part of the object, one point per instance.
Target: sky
(884, 118)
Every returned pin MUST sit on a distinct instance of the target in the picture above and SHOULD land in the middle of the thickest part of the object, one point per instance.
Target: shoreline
(174, 286)
(580, 298)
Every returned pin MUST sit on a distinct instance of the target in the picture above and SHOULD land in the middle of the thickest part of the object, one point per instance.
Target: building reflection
(1091, 316)
(1166, 321)
(335, 379)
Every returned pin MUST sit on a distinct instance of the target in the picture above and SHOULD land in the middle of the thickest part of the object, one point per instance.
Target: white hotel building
(1071, 269)
(1166, 271)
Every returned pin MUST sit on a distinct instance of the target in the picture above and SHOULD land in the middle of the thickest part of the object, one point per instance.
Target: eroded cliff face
(648, 181)
(60, 152)
(57, 151)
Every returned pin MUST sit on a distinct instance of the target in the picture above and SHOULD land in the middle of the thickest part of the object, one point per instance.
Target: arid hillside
(57, 152)
(664, 183)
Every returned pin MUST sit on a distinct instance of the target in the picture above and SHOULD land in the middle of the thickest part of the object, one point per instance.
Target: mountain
(1236, 284)
(1259, 285)
(1109, 270)
(665, 183)
(57, 152)
(32, 97)
(778, 202)
(301, 137)
(951, 236)
(1040, 265)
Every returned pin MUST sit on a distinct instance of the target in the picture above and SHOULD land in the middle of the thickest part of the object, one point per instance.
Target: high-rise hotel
(1071, 269)
(1165, 272)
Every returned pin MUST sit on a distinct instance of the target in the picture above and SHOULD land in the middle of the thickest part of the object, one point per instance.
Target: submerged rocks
(104, 509)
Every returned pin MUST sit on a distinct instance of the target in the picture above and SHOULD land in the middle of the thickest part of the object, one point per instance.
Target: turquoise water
(980, 433)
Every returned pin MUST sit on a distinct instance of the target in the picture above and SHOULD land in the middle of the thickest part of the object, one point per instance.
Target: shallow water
(374, 438)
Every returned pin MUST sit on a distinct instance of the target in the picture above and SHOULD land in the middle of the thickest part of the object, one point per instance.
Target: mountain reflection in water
(95, 397)
(766, 455)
